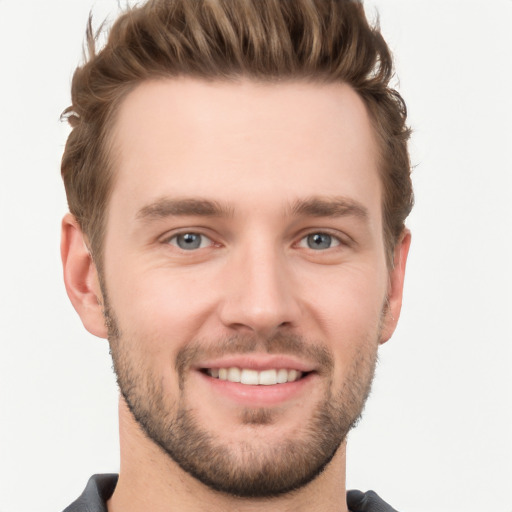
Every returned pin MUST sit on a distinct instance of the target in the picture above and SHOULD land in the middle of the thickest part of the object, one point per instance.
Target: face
(245, 280)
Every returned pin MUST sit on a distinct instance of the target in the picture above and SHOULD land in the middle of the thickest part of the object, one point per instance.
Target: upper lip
(257, 362)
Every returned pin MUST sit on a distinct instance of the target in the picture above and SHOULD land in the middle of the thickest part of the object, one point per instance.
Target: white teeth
(249, 377)
(234, 374)
(282, 376)
(254, 377)
(268, 377)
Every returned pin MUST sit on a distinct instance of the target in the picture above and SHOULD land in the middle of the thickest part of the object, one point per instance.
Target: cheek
(349, 314)
(351, 297)
(165, 306)
(341, 305)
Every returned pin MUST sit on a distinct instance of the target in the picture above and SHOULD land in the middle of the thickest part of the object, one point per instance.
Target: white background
(437, 431)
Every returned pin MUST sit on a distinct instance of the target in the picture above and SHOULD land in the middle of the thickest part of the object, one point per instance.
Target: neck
(150, 480)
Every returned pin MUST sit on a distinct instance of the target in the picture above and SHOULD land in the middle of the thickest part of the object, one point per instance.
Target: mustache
(285, 344)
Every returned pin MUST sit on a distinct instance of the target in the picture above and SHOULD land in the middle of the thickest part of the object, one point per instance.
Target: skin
(260, 151)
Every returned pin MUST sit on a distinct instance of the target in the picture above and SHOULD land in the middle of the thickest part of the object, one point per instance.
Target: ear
(395, 286)
(81, 277)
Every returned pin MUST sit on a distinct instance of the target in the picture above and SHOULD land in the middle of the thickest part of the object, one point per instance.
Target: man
(238, 180)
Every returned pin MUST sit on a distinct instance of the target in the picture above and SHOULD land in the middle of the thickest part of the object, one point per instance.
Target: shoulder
(98, 490)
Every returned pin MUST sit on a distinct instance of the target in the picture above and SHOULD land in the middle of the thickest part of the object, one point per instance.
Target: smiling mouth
(252, 377)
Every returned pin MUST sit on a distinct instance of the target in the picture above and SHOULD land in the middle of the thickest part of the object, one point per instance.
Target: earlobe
(81, 278)
(395, 287)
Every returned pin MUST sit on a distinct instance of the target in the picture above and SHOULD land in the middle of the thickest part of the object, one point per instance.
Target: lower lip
(258, 396)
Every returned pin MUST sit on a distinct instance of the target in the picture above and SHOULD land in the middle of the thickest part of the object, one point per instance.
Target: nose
(259, 293)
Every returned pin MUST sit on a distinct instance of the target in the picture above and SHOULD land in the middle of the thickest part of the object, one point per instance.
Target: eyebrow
(329, 207)
(313, 207)
(166, 207)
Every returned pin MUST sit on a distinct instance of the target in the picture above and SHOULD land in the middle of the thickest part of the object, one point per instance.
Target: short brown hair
(314, 40)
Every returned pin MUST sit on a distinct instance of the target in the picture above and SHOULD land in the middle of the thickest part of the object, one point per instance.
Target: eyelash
(335, 238)
(190, 233)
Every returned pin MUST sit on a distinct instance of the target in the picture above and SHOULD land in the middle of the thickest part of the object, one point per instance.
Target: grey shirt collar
(100, 488)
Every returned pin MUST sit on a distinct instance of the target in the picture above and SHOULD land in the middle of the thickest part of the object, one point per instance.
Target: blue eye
(190, 241)
(319, 241)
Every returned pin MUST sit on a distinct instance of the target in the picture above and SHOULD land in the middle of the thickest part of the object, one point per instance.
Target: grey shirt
(101, 487)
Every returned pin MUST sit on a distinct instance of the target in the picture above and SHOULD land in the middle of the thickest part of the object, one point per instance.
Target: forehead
(237, 141)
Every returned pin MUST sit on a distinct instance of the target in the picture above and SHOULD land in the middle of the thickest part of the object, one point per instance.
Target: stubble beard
(255, 469)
